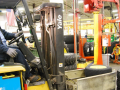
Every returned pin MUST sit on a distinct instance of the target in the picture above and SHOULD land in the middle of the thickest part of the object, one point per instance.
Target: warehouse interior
(65, 45)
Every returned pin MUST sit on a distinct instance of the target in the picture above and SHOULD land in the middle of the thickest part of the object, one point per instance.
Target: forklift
(51, 64)
(56, 37)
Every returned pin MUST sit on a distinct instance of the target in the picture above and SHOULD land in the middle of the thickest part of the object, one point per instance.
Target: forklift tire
(118, 75)
(118, 84)
(69, 39)
(118, 88)
(91, 48)
(70, 47)
(87, 49)
(96, 70)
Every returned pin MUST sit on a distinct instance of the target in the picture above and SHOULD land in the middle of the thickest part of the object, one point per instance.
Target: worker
(7, 52)
(116, 53)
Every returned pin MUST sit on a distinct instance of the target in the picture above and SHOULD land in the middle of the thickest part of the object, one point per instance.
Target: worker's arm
(114, 52)
(7, 35)
(3, 48)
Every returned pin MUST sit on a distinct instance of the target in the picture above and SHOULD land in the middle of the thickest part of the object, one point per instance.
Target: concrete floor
(114, 66)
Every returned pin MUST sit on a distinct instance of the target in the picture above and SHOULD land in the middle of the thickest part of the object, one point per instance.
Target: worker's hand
(11, 52)
(19, 33)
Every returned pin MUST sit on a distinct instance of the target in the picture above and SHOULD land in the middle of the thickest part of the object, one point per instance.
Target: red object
(94, 5)
(88, 6)
(10, 17)
(100, 61)
(25, 86)
(76, 19)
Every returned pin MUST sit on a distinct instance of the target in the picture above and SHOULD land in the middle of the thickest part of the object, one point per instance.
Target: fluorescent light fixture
(88, 21)
(71, 22)
(21, 9)
(4, 11)
(56, 1)
(63, 10)
(70, 14)
(115, 14)
(79, 17)
(81, 1)
(115, 11)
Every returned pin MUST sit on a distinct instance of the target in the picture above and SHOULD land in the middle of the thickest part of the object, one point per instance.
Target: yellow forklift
(51, 62)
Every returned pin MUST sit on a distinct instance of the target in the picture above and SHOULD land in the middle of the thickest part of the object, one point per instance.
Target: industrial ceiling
(68, 8)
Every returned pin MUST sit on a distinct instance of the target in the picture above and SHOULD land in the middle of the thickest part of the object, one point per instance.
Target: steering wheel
(15, 39)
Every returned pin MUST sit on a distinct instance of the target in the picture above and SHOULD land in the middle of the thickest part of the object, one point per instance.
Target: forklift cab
(21, 44)
(52, 50)
(32, 60)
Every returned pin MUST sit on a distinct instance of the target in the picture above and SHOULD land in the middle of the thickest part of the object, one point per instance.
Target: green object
(34, 52)
(112, 38)
(90, 39)
(30, 31)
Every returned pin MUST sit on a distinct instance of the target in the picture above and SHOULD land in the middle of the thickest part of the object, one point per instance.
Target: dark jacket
(3, 48)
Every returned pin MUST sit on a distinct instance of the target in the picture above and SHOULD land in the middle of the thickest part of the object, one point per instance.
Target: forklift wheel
(96, 70)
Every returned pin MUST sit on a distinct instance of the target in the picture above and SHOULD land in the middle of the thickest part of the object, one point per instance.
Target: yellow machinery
(6, 78)
(20, 69)
(39, 87)
(53, 49)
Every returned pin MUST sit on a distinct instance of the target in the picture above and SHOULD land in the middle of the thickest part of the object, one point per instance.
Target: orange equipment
(82, 41)
(116, 53)
(91, 6)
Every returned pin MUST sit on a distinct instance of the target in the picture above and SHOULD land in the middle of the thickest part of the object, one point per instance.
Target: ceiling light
(70, 14)
(79, 17)
(56, 1)
(4, 11)
(81, 1)
(20, 9)
(63, 10)
(115, 14)
(88, 21)
(115, 11)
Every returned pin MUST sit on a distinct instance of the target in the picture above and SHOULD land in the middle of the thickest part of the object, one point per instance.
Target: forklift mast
(52, 41)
